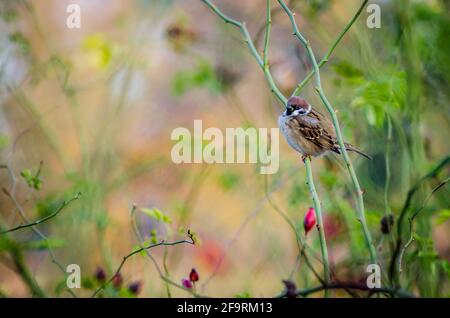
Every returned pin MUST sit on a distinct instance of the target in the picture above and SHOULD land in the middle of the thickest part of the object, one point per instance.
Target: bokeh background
(91, 110)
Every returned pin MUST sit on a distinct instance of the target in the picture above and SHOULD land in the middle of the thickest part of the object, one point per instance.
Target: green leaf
(88, 283)
(228, 180)
(33, 181)
(378, 96)
(443, 216)
(347, 70)
(21, 41)
(100, 51)
(157, 215)
(202, 76)
(245, 294)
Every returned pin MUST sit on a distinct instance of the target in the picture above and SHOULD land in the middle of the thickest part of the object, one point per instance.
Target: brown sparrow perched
(308, 131)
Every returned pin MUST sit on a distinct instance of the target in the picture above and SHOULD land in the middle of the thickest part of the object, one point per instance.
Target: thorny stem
(318, 209)
(331, 111)
(327, 55)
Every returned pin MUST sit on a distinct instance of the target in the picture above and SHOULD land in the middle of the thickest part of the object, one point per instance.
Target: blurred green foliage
(398, 74)
(202, 75)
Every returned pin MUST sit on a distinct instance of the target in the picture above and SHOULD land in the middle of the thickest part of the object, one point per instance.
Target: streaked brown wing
(311, 129)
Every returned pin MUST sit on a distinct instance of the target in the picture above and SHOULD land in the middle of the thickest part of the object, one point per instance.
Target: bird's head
(297, 106)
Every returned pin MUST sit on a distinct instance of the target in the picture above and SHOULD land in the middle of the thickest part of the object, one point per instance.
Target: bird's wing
(311, 128)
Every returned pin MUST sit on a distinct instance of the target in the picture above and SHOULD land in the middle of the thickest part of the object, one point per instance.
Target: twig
(325, 58)
(63, 205)
(318, 210)
(143, 248)
(331, 111)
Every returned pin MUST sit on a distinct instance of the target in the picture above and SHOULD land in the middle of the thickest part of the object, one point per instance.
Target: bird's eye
(289, 110)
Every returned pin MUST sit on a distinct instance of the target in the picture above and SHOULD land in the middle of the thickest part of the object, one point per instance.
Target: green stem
(318, 209)
(25, 274)
(325, 58)
(387, 209)
(331, 111)
(267, 35)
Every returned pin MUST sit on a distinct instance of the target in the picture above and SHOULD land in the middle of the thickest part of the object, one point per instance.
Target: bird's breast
(290, 134)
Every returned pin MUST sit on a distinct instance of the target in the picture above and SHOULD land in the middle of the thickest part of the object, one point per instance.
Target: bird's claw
(304, 157)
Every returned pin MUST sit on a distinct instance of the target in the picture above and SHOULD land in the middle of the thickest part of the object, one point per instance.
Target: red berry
(117, 281)
(290, 289)
(135, 287)
(193, 276)
(186, 283)
(100, 274)
(310, 220)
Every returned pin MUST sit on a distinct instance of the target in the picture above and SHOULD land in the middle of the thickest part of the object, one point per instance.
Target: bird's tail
(349, 147)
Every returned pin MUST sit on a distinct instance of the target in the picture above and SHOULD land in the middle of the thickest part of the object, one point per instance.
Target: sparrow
(308, 131)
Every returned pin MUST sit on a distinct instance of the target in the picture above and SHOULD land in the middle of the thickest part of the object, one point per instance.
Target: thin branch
(331, 111)
(325, 58)
(143, 248)
(63, 205)
(267, 35)
(265, 67)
